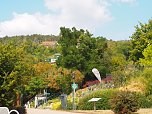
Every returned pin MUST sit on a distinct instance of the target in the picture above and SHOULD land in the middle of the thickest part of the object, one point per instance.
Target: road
(47, 111)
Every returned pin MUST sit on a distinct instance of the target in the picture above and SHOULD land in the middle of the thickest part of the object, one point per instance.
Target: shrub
(148, 90)
(69, 105)
(105, 95)
(124, 102)
(147, 75)
(56, 106)
(90, 83)
(145, 101)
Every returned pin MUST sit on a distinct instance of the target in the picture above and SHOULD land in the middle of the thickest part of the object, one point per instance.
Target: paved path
(47, 111)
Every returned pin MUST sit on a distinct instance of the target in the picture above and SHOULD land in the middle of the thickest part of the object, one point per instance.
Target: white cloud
(86, 14)
(24, 24)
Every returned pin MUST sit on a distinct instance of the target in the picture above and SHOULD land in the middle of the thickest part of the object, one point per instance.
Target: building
(49, 43)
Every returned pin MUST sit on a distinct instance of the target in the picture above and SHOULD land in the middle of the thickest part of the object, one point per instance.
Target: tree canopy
(15, 69)
(79, 50)
(141, 38)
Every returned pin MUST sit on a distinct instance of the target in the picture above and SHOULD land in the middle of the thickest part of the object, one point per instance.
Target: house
(49, 43)
(53, 59)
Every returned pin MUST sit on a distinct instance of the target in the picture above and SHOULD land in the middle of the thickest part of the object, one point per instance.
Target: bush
(148, 90)
(56, 104)
(103, 104)
(147, 75)
(145, 101)
(69, 105)
(124, 102)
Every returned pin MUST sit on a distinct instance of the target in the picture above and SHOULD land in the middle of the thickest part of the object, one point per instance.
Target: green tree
(38, 82)
(117, 55)
(15, 68)
(82, 51)
(147, 60)
(141, 38)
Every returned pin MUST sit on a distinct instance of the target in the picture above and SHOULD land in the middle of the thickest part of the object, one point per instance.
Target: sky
(113, 19)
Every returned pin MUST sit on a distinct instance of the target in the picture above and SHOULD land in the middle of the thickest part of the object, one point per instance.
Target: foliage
(118, 53)
(23, 70)
(32, 45)
(35, 38)
(38, 81)
(82, 51)
(118, 78)
(37, 51)
(102, 104)
(144, 101)
(147, 60)
(124, 102)
(140, 39)
(148, 76)
(139, 81)
(15, 69)
(42, 68)
(90, 83)
(148, 90)
(56, 104)
(61, 79)
(136, 84)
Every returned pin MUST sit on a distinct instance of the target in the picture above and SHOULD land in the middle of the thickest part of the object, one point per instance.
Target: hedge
(102, 104)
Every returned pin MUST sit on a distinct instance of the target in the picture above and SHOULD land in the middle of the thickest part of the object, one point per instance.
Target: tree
(39, 81)
(61, 79)
(147, 60)
(82, 51)
(141, 38)
(15, 68)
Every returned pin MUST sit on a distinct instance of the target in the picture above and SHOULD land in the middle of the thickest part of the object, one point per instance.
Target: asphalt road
(47, 111)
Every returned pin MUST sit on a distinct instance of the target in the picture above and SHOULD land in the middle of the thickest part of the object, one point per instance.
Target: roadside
(94, 112)
(48, 111)
(141, 111)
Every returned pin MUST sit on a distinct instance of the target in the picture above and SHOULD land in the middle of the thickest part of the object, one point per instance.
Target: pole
(46, 95)
(94, 106)
(74, 98)
(36, 101)
(73, 77)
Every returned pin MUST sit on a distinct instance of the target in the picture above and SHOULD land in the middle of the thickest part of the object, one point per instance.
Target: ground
(47, 111)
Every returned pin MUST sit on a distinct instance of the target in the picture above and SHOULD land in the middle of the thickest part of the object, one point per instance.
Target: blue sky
(113, 19)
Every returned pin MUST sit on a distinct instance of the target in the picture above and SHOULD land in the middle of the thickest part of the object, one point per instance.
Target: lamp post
(73, 77)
